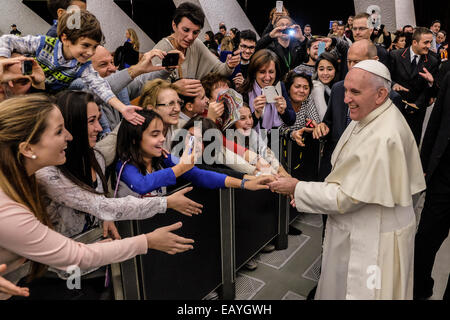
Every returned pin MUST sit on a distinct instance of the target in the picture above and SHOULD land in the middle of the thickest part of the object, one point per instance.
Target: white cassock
(368, 250)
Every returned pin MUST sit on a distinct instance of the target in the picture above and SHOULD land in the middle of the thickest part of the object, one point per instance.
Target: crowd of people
(89, 137)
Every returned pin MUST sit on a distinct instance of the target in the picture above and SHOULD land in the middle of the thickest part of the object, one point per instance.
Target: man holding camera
(199, 61)
(286, 40)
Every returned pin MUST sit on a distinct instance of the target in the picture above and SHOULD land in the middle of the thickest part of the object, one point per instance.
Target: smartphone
(288, 31)
(27, 67)
(321, 48)
(171, 60)
(191, 144)
(271, 93)
(279, 6)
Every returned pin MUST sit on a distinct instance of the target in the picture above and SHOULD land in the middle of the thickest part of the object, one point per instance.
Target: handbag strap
(118, 178)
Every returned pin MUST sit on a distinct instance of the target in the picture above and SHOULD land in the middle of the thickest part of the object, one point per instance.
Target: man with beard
(312, 49)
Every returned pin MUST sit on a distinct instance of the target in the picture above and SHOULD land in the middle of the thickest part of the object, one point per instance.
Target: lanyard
(288, 62)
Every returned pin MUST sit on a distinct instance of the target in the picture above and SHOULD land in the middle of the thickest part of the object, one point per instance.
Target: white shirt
(412, 53)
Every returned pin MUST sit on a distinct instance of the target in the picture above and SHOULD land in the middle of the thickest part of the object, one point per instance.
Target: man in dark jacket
(413, 71)
(290, 48)
(435, 219)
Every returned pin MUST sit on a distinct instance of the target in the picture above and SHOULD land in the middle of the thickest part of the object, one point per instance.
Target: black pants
(415, 121)
(433, 230)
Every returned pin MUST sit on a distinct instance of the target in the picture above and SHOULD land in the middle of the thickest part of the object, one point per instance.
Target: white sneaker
(251, 264)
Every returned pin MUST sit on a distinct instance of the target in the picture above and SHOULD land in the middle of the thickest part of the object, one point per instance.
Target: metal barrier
(234, 225)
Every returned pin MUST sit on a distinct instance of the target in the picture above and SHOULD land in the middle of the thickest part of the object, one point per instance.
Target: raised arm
(63, 191)
(24, 45)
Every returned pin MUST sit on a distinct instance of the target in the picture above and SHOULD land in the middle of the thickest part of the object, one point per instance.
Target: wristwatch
(243, 182)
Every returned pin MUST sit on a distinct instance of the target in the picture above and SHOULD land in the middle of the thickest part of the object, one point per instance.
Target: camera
(27, 67)
(288, 31)
(170, 60)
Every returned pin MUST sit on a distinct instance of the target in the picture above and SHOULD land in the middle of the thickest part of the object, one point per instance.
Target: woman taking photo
(264, 71)
(326, 74)
(33, 136)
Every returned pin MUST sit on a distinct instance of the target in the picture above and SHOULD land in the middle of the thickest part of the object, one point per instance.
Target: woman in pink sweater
(32, 136)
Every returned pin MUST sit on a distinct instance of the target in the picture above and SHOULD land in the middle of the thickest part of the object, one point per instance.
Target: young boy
(67, 58)
(57, 8)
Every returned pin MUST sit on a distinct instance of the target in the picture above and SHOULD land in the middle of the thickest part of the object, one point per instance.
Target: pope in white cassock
(368, 250)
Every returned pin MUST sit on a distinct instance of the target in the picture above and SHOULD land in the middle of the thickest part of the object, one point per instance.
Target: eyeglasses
(171, 104)
(244, 47)
(359, 29)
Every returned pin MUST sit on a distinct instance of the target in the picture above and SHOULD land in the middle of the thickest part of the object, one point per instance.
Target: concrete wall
(115, 22)
(227, 11)
(15, 12)
(216, 11)
(387, 11)
(405, 13)
(394, 13)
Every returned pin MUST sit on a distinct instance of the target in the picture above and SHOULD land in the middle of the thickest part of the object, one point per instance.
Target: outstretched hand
(427, 75)
(298, 135)
(130, 114)
(164, 240)
(284, 185)
(259, 183)
(10, 288)
(179, 202)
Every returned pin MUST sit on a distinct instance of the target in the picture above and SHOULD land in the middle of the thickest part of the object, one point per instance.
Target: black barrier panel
(192, 274)
(256, 222)
(305, 160)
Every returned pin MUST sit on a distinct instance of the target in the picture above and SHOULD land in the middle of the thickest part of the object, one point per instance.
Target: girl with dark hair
(75, 191)
(235, 37)
(144, 171)
(264, 71)
(209, 42)
(326, 74)
(32, 137)
(79, 192)
(299, 86)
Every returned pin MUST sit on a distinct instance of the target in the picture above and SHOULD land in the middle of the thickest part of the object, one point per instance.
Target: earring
(34, 157)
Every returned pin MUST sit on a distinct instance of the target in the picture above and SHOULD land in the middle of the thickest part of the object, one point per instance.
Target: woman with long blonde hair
(134, 39)
(128, 54)
(33, 136)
